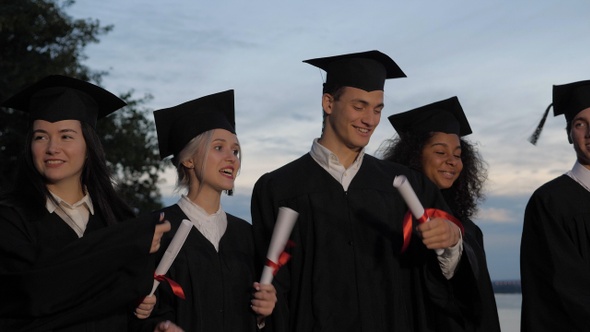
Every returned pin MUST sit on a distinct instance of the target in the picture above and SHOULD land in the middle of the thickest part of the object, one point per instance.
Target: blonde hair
(198, 148)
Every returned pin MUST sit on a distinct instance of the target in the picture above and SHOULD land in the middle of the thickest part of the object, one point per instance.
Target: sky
(500, 58)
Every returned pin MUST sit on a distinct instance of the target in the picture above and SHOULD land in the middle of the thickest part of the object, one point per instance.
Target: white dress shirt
(75, 215)
(212, 226)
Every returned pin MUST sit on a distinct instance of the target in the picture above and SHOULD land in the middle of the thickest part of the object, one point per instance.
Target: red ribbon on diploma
(428, 214)
(176, 288)
(283, 259)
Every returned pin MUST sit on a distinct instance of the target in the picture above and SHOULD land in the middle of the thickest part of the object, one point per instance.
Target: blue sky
(501, 59)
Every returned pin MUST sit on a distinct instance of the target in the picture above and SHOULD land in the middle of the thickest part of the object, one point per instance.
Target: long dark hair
(466, 192)
(30, 185)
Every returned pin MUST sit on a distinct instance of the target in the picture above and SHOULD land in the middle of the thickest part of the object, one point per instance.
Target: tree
(131, 146)
(38, 38)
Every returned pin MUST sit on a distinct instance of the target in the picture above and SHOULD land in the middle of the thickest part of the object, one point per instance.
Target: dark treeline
(506, 286)
(38, 38)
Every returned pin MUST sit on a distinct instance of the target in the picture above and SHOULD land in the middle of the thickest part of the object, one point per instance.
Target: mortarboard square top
(445, 116)
(570, 99)
(177, 125)
(56, 98)
(366, 70)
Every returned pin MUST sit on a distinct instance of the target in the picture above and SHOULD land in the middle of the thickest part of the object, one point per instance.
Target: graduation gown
(555, 258)
(217, 285)
(346, 272)
(485, 316)
(473, 289)
(51, 280)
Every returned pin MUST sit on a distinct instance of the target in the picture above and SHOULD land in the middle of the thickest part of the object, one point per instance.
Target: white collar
(212, 226)
(51, 206)
(326, 158)
(580, 174)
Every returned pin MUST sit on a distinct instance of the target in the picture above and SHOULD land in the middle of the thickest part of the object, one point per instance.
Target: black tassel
(535, 136)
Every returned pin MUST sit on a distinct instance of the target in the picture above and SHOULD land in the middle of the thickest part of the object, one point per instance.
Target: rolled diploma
(280, 235)
(409, 195)
(172, 250)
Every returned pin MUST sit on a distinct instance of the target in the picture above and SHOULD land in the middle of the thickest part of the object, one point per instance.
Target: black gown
(346, 272)
(217, 285)
(51, 280)
(481, 315)
(555, 258)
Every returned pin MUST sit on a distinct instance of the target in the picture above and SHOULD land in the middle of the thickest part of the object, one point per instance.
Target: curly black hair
(466, 192)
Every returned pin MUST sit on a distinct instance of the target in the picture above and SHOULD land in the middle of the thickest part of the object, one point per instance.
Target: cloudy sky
(500, 58)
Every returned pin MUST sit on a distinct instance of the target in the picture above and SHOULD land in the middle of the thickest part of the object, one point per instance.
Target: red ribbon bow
(283, 259)
(428, 214)
(176, 288)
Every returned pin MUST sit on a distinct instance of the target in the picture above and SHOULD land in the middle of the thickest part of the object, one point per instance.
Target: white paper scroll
(172, 250)
(280, 235)
(409, 195)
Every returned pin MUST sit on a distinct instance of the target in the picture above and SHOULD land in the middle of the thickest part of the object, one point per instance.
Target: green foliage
(38, 38)
(131, 146)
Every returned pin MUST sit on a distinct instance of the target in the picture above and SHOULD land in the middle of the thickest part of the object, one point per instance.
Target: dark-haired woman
(430, 140)
(67, 261)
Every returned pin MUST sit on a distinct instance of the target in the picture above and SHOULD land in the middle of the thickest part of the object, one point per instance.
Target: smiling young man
(555, 246)
(346, 271)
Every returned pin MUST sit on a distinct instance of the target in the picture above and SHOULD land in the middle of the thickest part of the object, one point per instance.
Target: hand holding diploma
(405, 189)
(263, 301)
(145, 308)
(280, 235)
(169, 256)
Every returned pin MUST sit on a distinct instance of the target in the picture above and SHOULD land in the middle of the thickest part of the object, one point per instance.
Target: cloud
(500, 59)
(497, 215)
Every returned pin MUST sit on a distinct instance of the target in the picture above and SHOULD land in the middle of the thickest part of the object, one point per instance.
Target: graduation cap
(177, 125)
(365, 70)
(568, 99)
(56, 97)
(445, 116)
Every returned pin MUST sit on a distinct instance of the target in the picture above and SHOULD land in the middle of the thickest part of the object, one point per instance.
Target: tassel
(535, 136)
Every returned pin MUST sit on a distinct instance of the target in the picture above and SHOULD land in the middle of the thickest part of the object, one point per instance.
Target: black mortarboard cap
(365, 70)
(177, 125)
(56, 97)
(568, 99)
(445, 116)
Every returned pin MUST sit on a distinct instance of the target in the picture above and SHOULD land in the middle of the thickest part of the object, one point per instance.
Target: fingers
(142, 314)
(264, 299)
(145, 308)
(439, 233)
(161, 228)
(149, 300)
(167, 326)
(162, 326)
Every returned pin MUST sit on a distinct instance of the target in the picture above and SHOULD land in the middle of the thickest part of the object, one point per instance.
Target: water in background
(509, 311)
